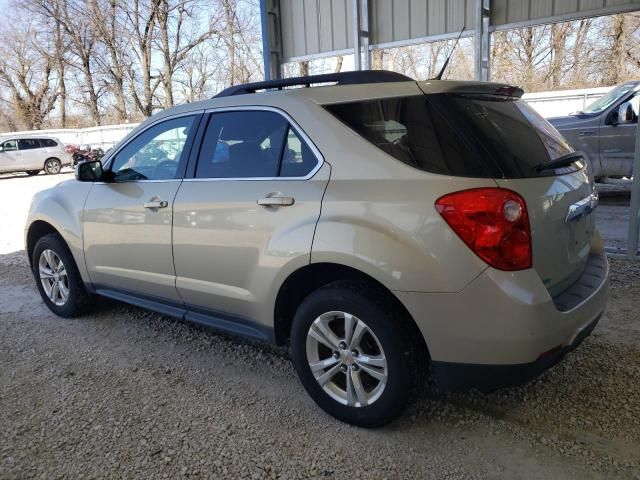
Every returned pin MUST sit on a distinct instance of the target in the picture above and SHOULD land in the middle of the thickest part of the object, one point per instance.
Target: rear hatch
(487, 131)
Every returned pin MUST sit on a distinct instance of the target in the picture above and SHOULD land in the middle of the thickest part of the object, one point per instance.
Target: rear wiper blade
(562, 161)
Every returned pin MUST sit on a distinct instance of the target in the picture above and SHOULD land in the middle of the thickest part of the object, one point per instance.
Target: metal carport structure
(300, 30)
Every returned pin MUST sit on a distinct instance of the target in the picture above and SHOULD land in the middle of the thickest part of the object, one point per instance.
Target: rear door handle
(586, 134)
(156, 204)
(276, 201)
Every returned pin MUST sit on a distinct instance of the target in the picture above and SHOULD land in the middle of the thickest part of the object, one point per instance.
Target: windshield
(609, 99)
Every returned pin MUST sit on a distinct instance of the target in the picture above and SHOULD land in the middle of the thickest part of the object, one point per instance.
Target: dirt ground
(124, 393)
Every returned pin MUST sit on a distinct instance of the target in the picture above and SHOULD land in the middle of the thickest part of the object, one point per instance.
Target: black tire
(52, 166)
(31, 173)
(395, 335)
(78, 300)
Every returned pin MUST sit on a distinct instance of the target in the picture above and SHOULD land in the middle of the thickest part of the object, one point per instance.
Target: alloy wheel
(53, 167)
(53, 276)
(346, 359)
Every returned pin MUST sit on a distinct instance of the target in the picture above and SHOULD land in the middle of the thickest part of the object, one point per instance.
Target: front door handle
(156, 204)
(276, 201)
(586, 134)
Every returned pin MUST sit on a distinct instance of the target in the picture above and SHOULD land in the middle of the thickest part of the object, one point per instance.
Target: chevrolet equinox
(381, 227)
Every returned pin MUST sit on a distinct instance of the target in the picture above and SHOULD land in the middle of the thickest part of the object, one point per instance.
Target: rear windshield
(460, 135)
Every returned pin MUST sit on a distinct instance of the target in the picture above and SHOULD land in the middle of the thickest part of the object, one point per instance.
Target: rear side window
(252, 144)
(469, 136)
(48, 142)
(29, 143)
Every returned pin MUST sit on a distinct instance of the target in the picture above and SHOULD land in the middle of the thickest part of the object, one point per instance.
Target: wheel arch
(36, 231)
(305, 280)
(59, 210)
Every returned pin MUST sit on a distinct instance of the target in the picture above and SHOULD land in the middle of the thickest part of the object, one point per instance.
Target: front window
(156, 153)
(609, 99)
(10, 146)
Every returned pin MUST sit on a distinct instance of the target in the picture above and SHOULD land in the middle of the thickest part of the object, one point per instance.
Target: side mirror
(90, 171)
(625, 113)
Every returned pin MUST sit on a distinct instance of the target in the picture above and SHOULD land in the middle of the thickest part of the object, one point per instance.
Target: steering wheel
(165, 170)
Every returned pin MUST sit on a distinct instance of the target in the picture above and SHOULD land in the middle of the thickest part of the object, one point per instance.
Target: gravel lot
(125, 393)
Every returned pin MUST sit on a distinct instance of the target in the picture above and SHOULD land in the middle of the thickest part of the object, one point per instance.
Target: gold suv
(381, 227)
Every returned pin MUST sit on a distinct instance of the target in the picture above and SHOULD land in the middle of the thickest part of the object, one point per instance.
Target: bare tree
(198, 76)
(75, 19)
(558, 43)
(141, 18)
(60, 50)
(616, 65)
(176, 39)
(107, 20)
(27, 75)
(377, 59)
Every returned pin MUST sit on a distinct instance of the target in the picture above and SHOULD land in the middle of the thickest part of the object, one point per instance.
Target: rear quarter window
(459, 135)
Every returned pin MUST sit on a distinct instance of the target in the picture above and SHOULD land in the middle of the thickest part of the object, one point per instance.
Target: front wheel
(354, 354)
(57, 277)
(52, 166)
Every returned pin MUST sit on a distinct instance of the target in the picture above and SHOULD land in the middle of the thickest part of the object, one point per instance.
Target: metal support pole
(357, 47)
(271, 38)
(482, 39)
(364, 33)
(634, 210)
(361, 35)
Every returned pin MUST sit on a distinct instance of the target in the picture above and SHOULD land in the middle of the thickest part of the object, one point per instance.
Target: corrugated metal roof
(325, 27)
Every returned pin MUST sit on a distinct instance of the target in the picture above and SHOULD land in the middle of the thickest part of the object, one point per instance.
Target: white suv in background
(32, 154)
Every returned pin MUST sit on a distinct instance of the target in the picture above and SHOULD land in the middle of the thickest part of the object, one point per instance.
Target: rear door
(31, 153)
(248, 214)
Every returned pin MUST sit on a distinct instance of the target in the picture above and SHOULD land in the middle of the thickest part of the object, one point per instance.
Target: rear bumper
(487, 378)
(493, 333)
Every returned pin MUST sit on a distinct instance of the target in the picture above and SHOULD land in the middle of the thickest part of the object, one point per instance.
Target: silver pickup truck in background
(606, 131)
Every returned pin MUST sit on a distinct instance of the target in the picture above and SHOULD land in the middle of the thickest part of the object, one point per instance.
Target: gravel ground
(124, 393)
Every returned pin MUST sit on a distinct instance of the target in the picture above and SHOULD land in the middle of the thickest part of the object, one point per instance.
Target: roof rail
(342, 78)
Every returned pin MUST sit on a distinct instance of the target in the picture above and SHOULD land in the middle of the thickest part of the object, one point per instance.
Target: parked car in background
(605, 131)
(32, 155)
(381, 227)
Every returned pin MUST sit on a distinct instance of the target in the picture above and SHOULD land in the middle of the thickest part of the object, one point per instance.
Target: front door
(128, 221)
(618, 142)
(9, 159)
(249, 214)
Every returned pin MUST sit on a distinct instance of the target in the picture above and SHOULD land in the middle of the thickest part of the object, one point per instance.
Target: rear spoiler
(470, 88)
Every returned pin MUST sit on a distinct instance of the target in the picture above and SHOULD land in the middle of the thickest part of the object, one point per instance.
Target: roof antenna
(446, 62)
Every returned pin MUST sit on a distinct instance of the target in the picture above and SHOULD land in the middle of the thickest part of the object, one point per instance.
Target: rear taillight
(493, 222)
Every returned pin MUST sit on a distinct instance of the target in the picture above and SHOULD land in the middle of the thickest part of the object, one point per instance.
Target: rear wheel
(31, 173)
(57, 277)
(52, 166)
(354, 354)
